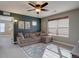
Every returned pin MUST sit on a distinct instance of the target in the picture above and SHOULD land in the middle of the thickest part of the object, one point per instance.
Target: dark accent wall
(25, 18)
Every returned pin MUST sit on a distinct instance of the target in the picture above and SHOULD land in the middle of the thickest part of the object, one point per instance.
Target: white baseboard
(71, 45)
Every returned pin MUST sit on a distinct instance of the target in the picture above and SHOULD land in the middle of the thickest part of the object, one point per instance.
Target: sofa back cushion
(27, 35)
(32, 35)
(21, 35)
(37, 33)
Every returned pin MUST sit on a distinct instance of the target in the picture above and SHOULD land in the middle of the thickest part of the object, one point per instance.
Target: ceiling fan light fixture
(38, 10)
(38, 7)
(15, 20)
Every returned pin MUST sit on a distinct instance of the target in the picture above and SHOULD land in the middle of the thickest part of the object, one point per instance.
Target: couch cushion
(21, 35)
(37, 33)
(32, 34)
(26, 35)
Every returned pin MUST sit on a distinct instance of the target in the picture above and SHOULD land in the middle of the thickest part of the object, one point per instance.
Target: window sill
(58, 36)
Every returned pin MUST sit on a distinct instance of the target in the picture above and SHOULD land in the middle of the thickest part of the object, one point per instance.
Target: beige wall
(44, 25)
(73, 24)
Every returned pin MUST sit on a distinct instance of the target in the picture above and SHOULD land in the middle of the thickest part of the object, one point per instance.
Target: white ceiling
(21, 7)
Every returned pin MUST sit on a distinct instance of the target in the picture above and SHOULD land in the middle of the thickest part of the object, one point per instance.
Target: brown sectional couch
(30, 38)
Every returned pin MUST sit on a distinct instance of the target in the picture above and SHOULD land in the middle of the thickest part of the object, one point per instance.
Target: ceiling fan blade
(43, 5)
(44, 9)
(31, 10)
(31, 4)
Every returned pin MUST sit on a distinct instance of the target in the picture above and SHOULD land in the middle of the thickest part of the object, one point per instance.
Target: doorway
(6, 30)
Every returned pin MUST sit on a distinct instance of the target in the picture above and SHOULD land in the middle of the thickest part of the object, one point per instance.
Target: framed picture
(21, 24)
(27, 25)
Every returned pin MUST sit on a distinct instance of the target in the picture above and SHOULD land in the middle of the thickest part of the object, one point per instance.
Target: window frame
(57, 30)
(1, 29)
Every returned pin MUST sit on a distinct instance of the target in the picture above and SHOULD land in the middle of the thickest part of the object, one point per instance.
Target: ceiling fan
(38, 7)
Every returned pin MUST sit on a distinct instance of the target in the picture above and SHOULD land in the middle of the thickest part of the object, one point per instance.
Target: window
(52, 27)
(34, 23)
(27, 25)
(59, 27)
(2, 27)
